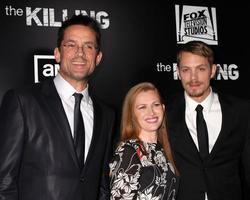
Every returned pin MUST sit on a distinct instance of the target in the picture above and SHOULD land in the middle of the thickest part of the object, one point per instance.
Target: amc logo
(44, 66)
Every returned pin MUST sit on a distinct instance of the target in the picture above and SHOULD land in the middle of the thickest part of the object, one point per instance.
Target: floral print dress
(135, 176)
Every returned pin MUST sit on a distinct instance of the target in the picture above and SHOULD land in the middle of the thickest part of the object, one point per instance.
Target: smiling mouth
(78, 63)
(152, 120)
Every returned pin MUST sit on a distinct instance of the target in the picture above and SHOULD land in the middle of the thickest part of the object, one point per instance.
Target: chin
(196, 94)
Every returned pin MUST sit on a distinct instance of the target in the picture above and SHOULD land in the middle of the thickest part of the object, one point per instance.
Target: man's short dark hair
(80, 20)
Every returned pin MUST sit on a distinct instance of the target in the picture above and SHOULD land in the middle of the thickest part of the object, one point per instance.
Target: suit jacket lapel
(227, 118)
(181, 139)
(55, 106)
(96, 131)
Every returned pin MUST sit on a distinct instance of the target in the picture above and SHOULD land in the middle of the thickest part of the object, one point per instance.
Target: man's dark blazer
(225, 174)
(37, 156)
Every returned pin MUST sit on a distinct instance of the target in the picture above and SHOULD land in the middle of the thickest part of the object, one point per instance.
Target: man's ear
(98, 58)
(57, 55)
(213, 71)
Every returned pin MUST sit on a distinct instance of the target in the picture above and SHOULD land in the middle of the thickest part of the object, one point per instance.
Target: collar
(66, 90)
(206, 103)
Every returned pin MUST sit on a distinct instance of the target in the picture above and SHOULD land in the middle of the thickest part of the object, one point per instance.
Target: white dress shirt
(212, 115)
(66, 91)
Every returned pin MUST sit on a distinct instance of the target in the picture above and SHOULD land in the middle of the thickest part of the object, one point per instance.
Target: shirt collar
(206, 103)
(66, 90)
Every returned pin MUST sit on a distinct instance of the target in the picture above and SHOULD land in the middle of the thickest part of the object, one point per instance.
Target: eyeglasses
(87, 47)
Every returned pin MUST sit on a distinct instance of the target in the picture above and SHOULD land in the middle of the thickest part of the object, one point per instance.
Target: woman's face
(149, 112)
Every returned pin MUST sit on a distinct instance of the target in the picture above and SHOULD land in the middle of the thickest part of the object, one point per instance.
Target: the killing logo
(196, 23)
(51, 17)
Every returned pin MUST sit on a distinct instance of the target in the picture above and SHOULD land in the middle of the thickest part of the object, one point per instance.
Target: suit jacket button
(81, 179)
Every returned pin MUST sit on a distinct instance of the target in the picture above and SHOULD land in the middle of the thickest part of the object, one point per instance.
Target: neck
(148, 137)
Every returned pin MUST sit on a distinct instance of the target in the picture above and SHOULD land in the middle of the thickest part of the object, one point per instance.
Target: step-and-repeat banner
(140, 39)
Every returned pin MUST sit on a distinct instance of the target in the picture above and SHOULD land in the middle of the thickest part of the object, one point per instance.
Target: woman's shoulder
(128, 144)
(126, 152)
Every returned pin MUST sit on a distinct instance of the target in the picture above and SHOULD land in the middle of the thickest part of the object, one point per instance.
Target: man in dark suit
(218, 168)
(38, 160)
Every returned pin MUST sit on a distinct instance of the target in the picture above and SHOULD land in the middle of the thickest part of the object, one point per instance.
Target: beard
(195, 92)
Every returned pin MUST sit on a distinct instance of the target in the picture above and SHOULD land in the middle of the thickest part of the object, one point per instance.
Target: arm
(125, 172)
(104, 187)
(11, 144)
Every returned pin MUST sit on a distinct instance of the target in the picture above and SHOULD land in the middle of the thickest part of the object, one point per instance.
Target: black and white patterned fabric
(136, 176)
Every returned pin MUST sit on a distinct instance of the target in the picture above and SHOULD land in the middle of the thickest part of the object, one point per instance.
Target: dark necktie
(202, 133)
(79, 132)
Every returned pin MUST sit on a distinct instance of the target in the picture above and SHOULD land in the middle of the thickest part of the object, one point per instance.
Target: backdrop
(140, 39)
